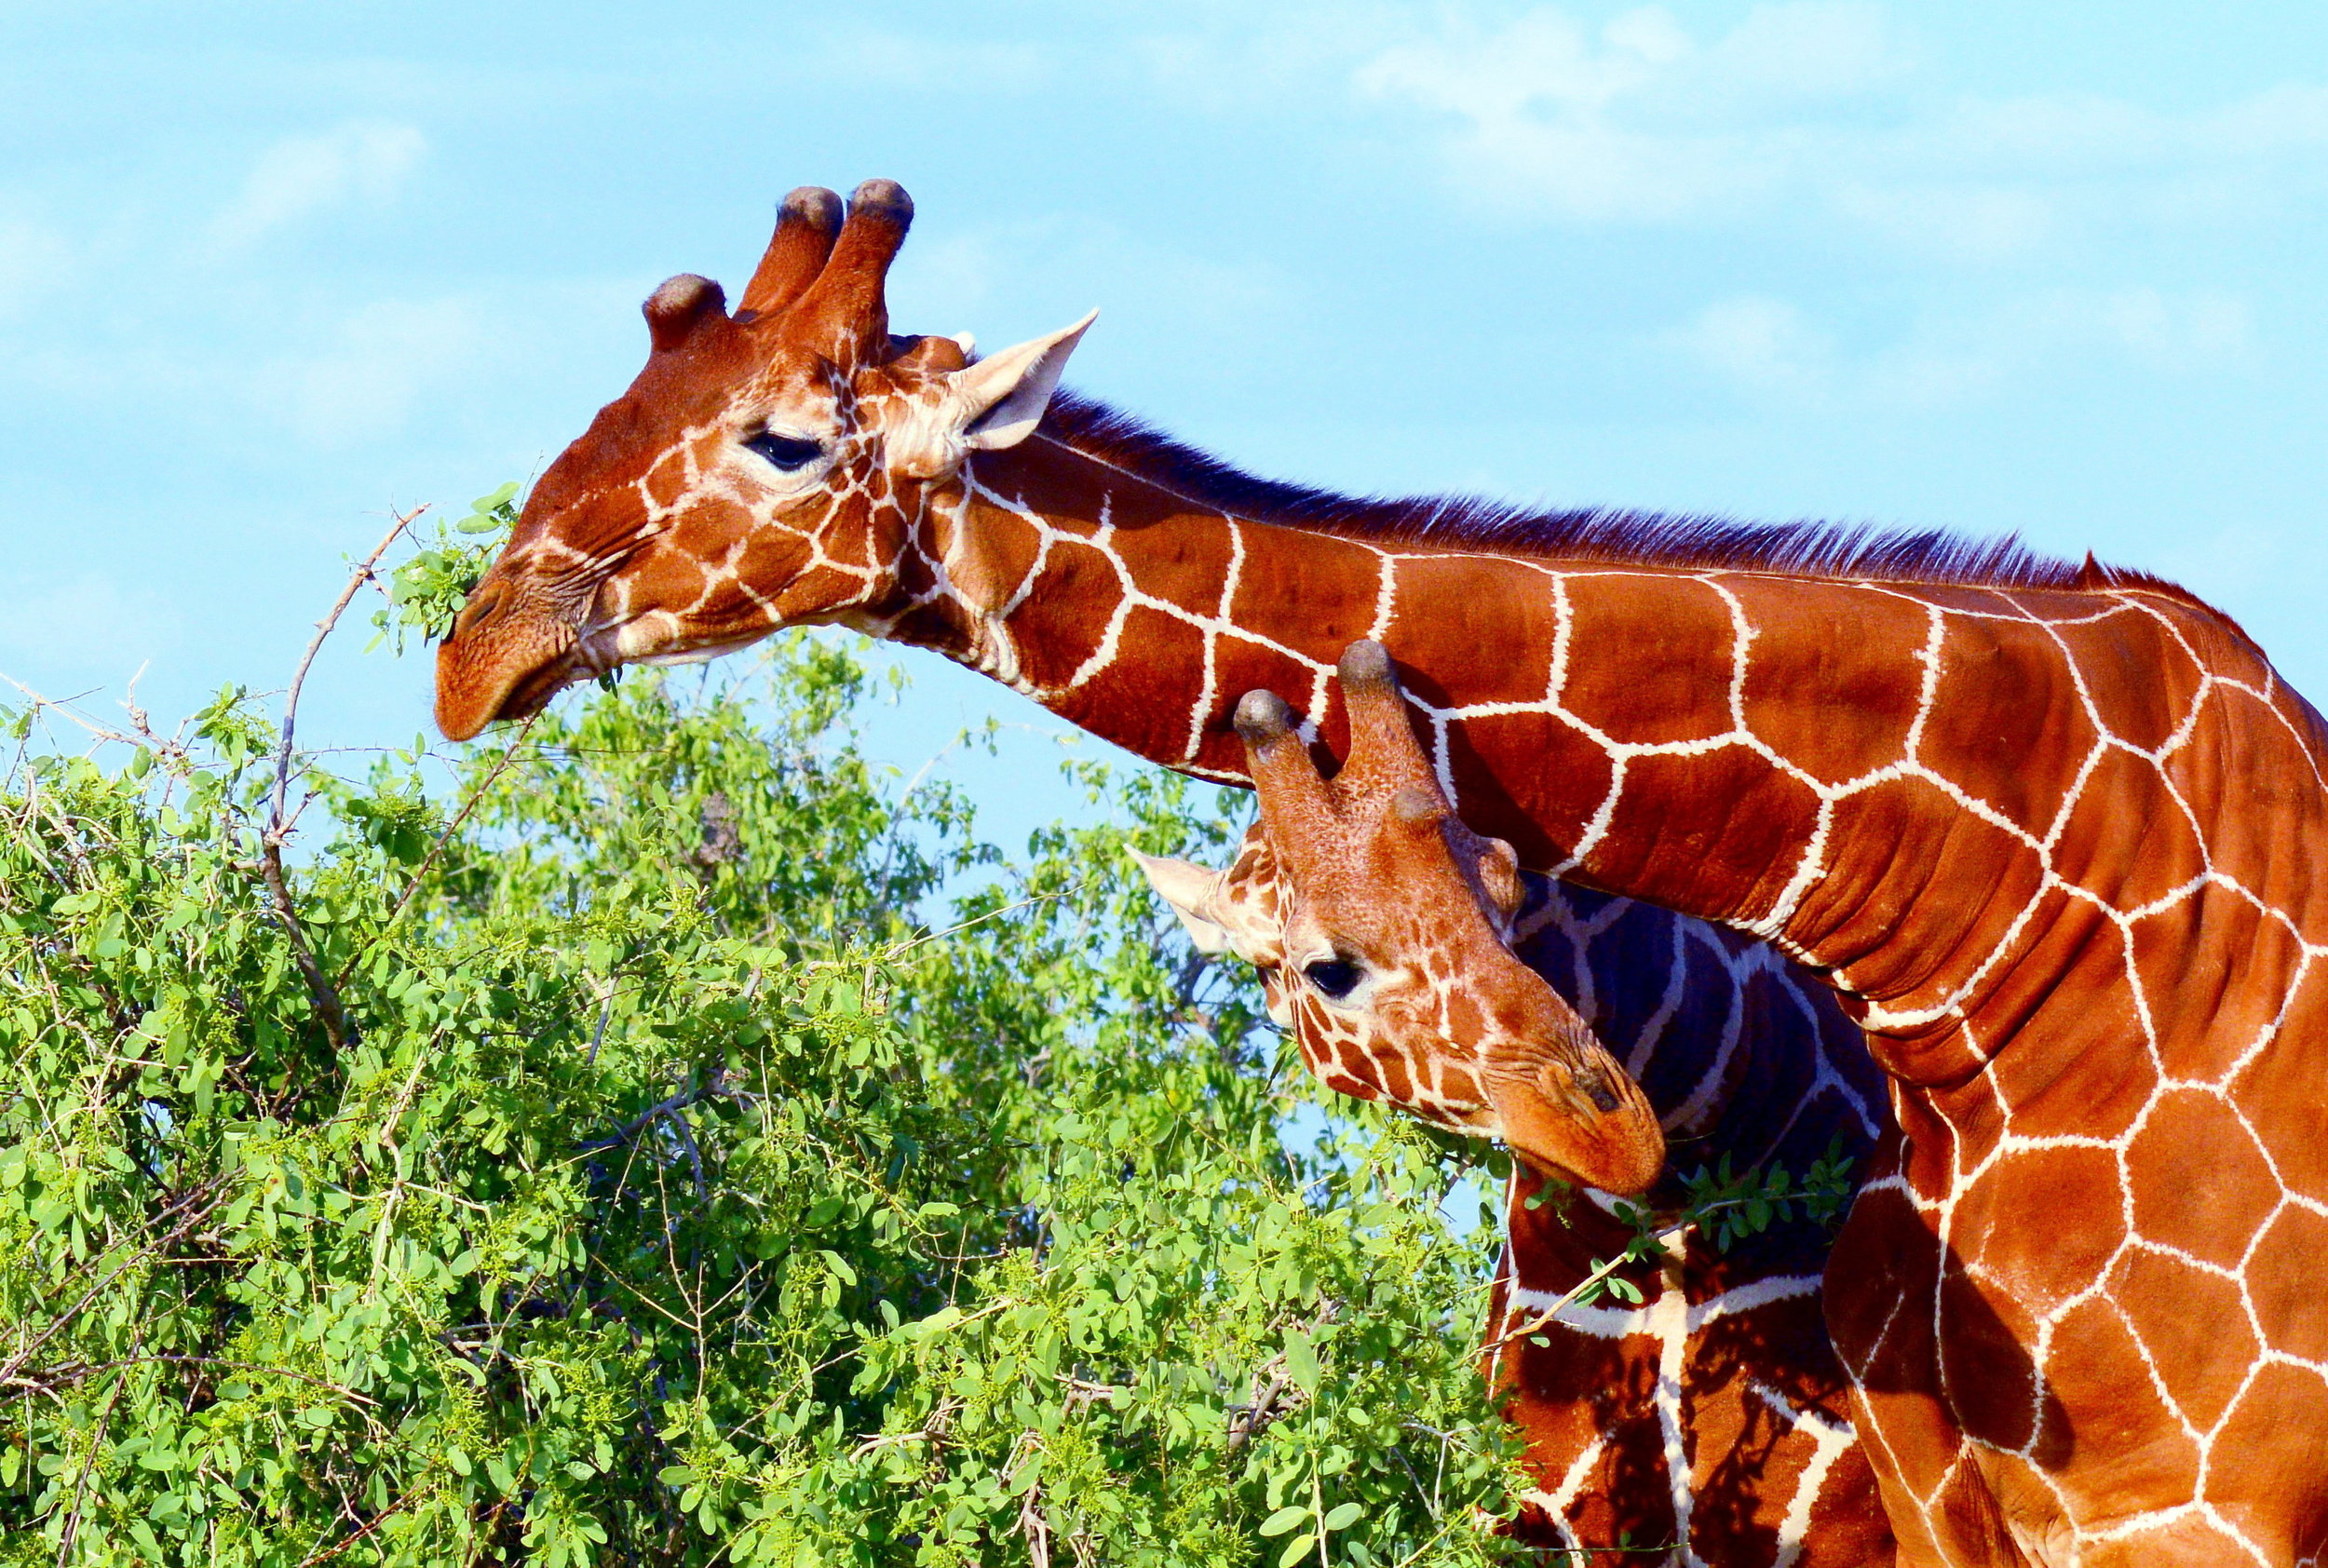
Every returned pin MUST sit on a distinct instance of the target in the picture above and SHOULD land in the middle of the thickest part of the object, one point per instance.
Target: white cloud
(303, 175)
(1770, 349)
(74, 623)
(1820, 106)
(1230, 57)
(33, 261)
(1637, 122)
(1807, 51)
(977, 276)
(360, 385)
(2194, 331)
(1961, 220)
(2107, 331)
(1757, 344)
(1544, 67)
(917, 60)
(951, 276)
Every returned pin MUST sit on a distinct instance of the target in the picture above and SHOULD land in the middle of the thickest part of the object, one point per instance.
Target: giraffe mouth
(511, 671)
(533, 690)
(528, 685)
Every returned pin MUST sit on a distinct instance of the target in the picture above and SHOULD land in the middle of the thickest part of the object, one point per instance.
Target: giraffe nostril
(482, 606)
(1597, 1088)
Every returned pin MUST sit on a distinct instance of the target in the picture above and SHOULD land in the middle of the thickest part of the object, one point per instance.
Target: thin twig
(672, 1106)
(356, 581)
(80, 1487)
(60, 1377)
(903, 948)
(325, 995)
(213, 1189)
(369, 1525)
(476, 798)
(1599, 1272)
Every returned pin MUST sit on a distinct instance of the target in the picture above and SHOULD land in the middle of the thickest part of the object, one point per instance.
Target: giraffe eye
(1333, 978)
(790, 453)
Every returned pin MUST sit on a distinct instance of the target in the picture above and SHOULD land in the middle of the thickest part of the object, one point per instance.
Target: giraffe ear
(1002, 397)
(1191, 890)
(1499, 875)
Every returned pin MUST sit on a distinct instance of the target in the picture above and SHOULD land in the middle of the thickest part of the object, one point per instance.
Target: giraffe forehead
(801, 380)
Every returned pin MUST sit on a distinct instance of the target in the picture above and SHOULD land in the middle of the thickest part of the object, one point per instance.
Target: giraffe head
(762, 471)
(1382, 927)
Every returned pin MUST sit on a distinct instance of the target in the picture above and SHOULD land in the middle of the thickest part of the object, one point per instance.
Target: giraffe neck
(1920, 788)
(1711, 1412)
(1125, 608)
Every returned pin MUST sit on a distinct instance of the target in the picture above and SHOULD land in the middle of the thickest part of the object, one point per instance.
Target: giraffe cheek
(1316, 1057)
(1457, 1087)
(667, 480)
(1398, 1084)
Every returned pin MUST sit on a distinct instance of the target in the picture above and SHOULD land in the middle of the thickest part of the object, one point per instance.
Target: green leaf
(1283, 1520)
(1296, 1549)
(925, 1201)
(1301, 1360)
(1342, 1516)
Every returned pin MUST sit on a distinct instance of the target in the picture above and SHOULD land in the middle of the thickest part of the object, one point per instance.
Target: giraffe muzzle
(1584, 1122)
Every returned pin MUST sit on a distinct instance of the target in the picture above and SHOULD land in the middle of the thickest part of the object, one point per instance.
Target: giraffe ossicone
(821, 421)
(1390, 949)
(1390, 941)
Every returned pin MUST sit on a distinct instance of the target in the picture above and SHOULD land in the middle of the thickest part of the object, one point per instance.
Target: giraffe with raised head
(2047, 828)
(1414, 964)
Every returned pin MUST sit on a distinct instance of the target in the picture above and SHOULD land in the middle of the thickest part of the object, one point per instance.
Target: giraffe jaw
(475, 688)
(514, 669)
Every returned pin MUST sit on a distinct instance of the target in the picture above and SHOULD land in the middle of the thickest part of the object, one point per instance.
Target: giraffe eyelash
(790, 453)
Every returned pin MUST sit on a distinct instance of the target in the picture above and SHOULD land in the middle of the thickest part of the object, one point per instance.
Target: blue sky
(266, 270)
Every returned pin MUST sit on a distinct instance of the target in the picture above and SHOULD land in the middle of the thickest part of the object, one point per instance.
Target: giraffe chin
(523, 685)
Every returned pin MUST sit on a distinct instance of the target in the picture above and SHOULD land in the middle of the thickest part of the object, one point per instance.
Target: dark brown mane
(1689, 541)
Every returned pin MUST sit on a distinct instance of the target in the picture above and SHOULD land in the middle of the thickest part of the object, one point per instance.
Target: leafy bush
(681, 1186)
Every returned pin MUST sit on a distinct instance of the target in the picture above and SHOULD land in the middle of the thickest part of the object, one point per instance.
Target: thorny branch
(330, 1012)
(76, 1371)
(375, 1521)
(201, 1201)
(713, 1088)
(1278, 1395)
(411, 885)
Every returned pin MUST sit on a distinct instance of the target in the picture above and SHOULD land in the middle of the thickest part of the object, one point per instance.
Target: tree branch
(321, 991)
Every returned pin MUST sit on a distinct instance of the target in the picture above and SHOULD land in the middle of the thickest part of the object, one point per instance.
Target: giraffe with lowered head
(1706, 1424)
(2047, 828)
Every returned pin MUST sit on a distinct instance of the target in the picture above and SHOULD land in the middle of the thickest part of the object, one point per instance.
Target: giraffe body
(2050, 831)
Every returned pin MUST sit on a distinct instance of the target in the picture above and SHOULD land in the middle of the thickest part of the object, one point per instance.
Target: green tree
(674, 1142)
